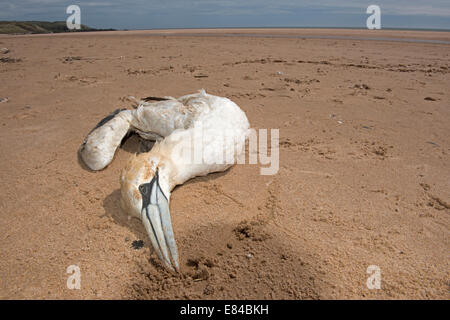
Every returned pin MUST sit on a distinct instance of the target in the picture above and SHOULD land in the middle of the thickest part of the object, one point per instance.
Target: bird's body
(196, 134)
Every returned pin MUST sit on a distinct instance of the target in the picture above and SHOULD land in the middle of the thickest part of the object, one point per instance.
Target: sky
(159, 14)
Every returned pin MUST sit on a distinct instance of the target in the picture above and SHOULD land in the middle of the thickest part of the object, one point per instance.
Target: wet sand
(363, 179)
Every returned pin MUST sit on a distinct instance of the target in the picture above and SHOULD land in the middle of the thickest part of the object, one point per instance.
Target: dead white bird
(215, 125)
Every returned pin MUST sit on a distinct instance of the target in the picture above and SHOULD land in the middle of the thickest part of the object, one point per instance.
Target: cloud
(270, 12)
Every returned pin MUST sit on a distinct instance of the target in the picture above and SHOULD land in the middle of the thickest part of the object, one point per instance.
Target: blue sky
(150, 14)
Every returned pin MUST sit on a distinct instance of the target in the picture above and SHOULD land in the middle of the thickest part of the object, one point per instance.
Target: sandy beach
(364, 128)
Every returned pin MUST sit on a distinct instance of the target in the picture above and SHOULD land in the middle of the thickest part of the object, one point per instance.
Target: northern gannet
(180, 127)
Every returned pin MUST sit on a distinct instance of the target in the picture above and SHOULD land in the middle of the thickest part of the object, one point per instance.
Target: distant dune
(27, 27)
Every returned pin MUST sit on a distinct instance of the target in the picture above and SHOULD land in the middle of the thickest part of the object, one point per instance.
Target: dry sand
(363, 180)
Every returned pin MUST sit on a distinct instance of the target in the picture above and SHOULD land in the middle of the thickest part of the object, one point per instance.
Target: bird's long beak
(156, 218)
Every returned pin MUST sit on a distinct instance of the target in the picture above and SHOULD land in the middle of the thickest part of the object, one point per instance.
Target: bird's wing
(98, 149)
(151, 120)
(161, 118)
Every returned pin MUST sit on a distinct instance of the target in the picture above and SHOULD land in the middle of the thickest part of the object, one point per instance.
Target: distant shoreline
(300, 28)
(411, 36)
(61, 28)
(41, 27)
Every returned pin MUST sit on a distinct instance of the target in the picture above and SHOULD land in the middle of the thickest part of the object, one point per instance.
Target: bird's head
(145, 193)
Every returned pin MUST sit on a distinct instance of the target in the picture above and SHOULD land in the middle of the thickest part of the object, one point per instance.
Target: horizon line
(290, 27)
(238, 27)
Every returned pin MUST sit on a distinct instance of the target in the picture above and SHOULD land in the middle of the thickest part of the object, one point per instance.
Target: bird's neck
(173, 168)
(166, 171)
